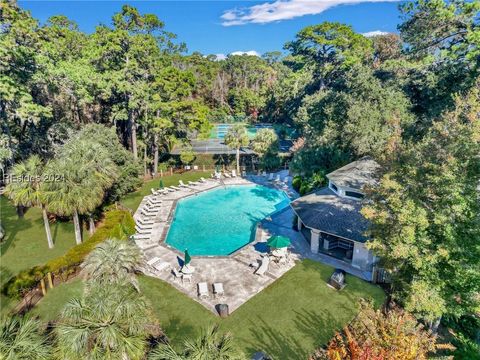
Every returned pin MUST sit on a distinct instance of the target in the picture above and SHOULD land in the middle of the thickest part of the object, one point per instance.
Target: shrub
(297, 182)
(117, 224)
(305, 188)
(187, 155)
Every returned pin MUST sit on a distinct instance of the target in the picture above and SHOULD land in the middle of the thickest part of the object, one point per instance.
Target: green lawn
(289, 319)
(26, 244)
(51, 305)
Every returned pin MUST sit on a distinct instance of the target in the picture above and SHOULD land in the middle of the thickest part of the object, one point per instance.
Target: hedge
(117, 224)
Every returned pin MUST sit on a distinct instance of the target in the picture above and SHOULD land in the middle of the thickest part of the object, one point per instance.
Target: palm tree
(208, 346)
(108, 323)
(21, 338)
(113, 262)
(86, 171)
(236, 138)
(26, 188)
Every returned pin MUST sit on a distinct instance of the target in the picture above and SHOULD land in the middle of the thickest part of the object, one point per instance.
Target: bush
(305, 188)
(305, 185)
(297, 182)
(117, 224)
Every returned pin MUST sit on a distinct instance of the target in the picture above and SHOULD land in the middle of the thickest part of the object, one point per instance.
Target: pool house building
(330, 218)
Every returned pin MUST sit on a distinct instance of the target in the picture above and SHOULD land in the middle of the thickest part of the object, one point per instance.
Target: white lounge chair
(156, 192)
(161, 266)
(263, 268)
(144, 231)
(143, 227)
(270, 177)
(151, 203)
(226, 174)
(150, 215)
(175, 188)
(150, 210)
(168, 189)
(264, 173)
(147, 215)
(143, 221)
(218, 289)
(186, 277)
(277, 178)
(202, 179)
(147, 212)
(234, 173)
(193, 183)
(202, 290)
(153, 261)
(141, 236)
(181, 184)
(154, 199)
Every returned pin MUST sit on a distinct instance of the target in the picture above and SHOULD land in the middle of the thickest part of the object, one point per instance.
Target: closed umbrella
(161, 184)
(187, 268)
(187, 258)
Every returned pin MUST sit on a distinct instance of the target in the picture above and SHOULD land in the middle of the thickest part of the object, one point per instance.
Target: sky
(225, 27)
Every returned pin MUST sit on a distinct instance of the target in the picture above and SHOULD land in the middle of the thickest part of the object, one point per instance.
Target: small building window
(354, 194)
(333, 187)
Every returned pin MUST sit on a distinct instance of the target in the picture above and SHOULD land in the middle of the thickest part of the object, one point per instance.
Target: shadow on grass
(11, 223)
(286, 344)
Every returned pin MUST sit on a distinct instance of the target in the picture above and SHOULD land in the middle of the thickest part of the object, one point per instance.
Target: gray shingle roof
(357, 174)
(326, 211)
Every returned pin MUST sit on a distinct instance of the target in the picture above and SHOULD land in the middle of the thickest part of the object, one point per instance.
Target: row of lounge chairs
(144, 223)
(277, 178)
(181, 186)
(218, 175)
(203, 292)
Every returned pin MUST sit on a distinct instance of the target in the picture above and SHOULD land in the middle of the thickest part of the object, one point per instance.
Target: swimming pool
(220, 221)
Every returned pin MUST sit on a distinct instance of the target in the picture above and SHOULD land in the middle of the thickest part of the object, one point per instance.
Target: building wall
(362, 257)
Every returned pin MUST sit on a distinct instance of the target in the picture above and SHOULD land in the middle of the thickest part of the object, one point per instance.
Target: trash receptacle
(223, 310)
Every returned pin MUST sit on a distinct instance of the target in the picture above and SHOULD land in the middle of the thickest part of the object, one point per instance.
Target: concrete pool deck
(235, 271)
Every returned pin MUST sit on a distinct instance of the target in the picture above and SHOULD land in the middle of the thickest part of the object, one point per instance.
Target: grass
(26, 245)
(288, 320)
(51, 305)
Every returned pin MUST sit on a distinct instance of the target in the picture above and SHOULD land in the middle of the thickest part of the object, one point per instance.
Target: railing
(380, 275)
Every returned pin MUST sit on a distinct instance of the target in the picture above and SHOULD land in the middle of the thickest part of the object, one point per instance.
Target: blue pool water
(220, 221)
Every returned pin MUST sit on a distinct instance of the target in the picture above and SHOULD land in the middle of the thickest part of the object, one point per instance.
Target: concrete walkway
(235, 272)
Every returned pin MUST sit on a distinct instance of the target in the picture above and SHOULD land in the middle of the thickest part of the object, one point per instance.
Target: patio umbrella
(278, 242)
(187, 258)
(161, 184)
